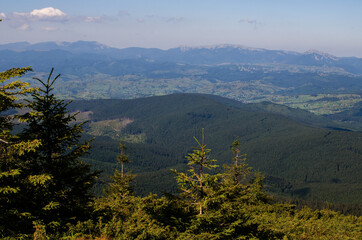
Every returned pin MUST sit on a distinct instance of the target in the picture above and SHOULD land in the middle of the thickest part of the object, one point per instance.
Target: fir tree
(239, 183)
(119, 202)
(9, 94)
(66, 195)
(14, 174)
(121, 185)
(236, 178)
(122, 157)
(198, 185)
(227, 202)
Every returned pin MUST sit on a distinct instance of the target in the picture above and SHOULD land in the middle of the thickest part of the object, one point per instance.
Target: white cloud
(2, 15)
(251, 22)
(49, 29)
(17, 14)
(48, 14)
(247, 20)
(24, 27)
(174, 19)
(45, 14)
(161, 18)
(93, 19)
(141, 20)
(123, 13)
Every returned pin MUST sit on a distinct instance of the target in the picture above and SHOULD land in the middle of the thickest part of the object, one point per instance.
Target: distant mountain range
(208, 55)
(312, 80)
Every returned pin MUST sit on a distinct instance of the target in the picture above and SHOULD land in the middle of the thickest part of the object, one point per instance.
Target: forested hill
(299, 158)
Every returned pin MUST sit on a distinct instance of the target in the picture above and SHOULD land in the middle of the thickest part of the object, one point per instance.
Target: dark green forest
(301, 155)
(208, 161)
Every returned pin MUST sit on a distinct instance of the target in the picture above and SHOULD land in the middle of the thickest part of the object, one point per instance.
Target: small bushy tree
(225, 196)
(121, 185)
(198, 185)
(119, 203)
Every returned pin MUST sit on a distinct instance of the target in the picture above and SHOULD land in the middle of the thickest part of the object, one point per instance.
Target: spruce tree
(122, 157)
(239, 182)
(9, 96)
(227, 199)
(66, 196)
(198, 184)
(14, 174)
(121, 185)
(236, 178)
(119, 202)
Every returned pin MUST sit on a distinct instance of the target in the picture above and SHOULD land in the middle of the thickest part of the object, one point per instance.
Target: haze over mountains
(211, 55)
(315, 81)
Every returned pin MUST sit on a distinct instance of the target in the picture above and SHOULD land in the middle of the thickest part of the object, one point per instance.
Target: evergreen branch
(41, 83)
(50, 75)
(54, 79)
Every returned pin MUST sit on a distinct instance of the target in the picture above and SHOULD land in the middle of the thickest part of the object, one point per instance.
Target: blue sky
(332, 26)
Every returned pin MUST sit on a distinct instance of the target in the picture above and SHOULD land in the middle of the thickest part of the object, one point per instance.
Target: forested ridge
(45, 187)
(302, 155)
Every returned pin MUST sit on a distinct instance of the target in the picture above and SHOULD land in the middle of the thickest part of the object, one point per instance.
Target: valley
(314, 81)
(197, 120)
(297, 115)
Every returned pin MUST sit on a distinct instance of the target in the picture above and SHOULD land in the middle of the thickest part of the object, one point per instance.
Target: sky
(331, 26)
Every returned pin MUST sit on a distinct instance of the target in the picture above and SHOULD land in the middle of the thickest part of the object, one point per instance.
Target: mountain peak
(219, 46)
(85, 45)
(319, 56)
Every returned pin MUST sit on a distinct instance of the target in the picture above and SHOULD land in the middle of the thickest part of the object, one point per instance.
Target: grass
(112, 128)
(320, 104)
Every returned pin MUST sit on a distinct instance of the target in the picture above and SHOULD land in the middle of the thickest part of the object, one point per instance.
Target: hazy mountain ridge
(91, 70)
(79, 46)
(217, 54)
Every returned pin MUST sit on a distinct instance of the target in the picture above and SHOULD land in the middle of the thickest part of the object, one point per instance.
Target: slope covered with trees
(45, 187)
(300, 160)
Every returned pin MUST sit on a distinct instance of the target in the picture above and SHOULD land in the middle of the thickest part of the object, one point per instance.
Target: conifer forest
(53, 185)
